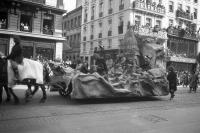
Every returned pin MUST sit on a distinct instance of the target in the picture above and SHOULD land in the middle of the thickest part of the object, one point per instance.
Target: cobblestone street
(60, 114)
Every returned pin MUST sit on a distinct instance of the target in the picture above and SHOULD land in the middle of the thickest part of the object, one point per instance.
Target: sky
(69, 4)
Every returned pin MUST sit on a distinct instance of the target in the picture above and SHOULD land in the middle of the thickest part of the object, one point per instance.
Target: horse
(26, 74)
(4, 82)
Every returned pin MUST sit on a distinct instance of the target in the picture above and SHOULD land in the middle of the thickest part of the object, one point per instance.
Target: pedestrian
(172, 78)
(193, 82)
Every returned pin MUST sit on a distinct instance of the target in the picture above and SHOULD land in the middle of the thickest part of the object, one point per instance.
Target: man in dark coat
(172, 78)
(16, 52)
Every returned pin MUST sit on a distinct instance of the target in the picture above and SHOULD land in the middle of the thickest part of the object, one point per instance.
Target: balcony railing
(149, 7)
(184, 15)
(185, 33)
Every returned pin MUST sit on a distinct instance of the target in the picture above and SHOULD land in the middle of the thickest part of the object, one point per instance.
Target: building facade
(105, 22)
(183, 22)
(37, 22)
(72, 32)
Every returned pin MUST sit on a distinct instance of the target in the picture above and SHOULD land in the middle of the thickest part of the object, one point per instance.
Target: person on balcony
(26, 27)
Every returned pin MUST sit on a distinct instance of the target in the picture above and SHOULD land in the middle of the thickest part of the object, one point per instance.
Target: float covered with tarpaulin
(150, 83)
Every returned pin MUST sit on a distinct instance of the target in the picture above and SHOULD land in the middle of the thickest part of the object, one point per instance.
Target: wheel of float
(65, 91)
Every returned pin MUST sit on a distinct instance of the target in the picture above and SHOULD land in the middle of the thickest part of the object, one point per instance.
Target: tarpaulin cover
(150, 83)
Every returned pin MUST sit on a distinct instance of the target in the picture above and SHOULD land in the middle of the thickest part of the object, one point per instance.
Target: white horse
(29, 73)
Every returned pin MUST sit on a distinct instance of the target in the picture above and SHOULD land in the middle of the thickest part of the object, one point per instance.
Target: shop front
(182, 51)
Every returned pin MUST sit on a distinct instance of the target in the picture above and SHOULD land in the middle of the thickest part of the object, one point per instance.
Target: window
(137, 20)
(121, 5)
(91, 46)
(158, 23)
(171, 22)
(121, 25)
(110, 4)
(75, 22)
(84, 47)
(84, 29)
(171, 6)
(92, 12)
(48, 24)
(110, 27)
(79, 20)
(92, 29)
(26, 23)
(65, 25)
(195, 13)
(148, 22)
(86, 15)
(109, 43)
(72, 24)
(187, 9)
(3, 20)
(121, 2)
(180, 6)
(101, 7)
(195, 1)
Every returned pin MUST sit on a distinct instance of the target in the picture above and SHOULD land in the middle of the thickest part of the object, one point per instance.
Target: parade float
(138, 70)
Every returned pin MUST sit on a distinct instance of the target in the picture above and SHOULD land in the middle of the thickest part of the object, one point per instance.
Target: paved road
(143, 115)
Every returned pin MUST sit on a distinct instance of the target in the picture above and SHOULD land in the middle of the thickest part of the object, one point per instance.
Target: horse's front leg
(28, 93)
(14, 96)
(44, 94)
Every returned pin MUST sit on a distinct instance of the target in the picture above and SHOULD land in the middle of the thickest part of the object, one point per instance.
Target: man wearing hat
(16, 52)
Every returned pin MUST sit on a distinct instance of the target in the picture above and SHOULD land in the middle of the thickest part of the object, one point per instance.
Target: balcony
(110, 11)
(109, 33)
(100, 35)
(184, 33)
(184, 15)
(150, 32)
(101, 14)
(121, 7)
(151, 8)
